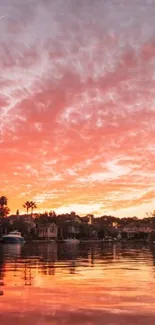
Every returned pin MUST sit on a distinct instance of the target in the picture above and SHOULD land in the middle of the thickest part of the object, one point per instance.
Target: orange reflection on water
(65, 279)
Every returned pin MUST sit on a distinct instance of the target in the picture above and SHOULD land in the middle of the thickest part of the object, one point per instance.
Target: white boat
(71, 241)
(14, 237)
(107, 239)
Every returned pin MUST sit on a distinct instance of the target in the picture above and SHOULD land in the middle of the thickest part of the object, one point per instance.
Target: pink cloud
(77, 94)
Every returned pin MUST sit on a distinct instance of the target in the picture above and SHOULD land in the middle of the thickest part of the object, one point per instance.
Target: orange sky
(77, 105)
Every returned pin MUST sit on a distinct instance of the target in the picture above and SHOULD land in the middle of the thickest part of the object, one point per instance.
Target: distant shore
(83, 241)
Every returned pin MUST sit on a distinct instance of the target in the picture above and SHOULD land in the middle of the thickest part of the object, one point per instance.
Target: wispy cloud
(77, 102)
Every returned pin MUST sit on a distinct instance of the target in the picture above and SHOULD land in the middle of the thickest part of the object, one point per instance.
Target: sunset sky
(77, 105)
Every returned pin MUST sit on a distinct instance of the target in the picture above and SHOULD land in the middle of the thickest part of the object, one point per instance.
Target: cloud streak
(77, 103)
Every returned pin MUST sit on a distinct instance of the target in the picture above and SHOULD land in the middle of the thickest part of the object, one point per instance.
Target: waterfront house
(145, 228)
(47, 231)
(130, 231)
(140, 231)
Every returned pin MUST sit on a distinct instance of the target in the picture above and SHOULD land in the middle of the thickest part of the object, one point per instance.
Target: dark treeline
(68, 223)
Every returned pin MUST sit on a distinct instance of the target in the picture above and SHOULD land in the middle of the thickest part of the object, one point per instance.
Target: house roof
(47, 225)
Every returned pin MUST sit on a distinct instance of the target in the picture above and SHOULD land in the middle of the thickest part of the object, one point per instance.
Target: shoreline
(83, 241)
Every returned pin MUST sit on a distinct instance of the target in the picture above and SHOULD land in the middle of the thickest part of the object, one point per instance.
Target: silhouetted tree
(52, 217)
(4, 210)
(33, 206)
(52, 214)
(27, 206)
(3, 201)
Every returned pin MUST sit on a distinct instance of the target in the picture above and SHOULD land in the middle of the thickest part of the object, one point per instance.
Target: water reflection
(59, 259)
(93, 277)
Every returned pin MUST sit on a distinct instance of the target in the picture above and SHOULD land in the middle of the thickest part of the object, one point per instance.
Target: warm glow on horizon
(77, 106)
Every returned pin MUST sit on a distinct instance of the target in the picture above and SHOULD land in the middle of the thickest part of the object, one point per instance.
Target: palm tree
(3, 201)
(4, 210)
(33, 206)
(27, 206)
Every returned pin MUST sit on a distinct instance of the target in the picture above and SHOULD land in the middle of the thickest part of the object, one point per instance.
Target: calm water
(48, 284)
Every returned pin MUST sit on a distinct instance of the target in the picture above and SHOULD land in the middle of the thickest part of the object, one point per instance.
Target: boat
(71, 241)
(108, 240)
(13, 237)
